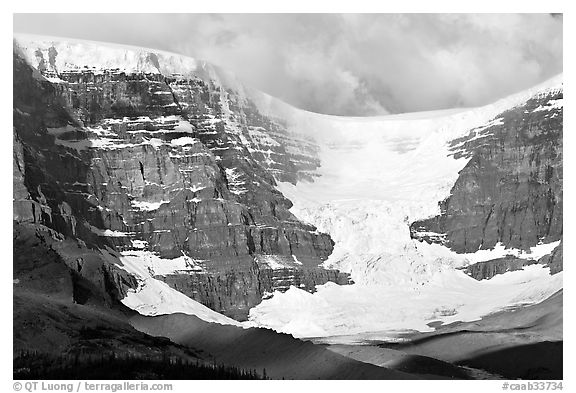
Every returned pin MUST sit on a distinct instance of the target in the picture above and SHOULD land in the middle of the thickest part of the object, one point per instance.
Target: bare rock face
(488, 269)
(170, 165)
(235, 289)
(45, 261)
(554, 260)
(510, 192)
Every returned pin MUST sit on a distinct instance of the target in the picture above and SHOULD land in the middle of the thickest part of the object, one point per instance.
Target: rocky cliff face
(555, 260)
(168, 165)
(488, 269)
(510, 192)
(235, 290)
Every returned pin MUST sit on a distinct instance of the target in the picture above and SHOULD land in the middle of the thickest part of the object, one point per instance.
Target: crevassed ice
(368, 191)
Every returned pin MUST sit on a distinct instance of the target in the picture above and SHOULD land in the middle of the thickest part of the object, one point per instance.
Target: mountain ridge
(229, 80)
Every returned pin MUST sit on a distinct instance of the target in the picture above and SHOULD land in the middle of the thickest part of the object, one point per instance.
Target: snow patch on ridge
(550, 105)
(148, 206)
(158, 266)
(185, 140)
(109, 232)
(235, 183)
(272, 261)
(499, 251)
(154, 297)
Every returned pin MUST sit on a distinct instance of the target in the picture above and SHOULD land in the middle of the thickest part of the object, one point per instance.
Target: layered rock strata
(510, 191)
(170, 165)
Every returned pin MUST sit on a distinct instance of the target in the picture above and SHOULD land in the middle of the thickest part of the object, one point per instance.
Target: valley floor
(525, 343)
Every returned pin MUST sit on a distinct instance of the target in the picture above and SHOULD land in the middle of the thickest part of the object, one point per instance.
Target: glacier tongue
(375, 178)
(451, 296)
(400, 284)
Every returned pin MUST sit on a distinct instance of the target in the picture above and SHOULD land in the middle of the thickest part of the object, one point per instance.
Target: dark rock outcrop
(65, 268)
(487, 269)
(554, 260)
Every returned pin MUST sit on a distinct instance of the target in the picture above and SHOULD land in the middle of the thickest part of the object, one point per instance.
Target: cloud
(350, 64)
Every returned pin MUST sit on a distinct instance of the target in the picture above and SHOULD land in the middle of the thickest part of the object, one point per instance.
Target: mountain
(510, 191)
(159, 184)
(165, 167)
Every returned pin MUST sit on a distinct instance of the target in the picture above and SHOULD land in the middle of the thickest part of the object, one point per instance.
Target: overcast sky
(351, 64)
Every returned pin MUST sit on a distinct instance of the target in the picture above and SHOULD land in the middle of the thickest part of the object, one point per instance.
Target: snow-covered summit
(73, 54)
(69, 55)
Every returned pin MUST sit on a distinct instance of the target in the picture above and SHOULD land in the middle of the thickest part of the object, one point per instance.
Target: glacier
(376, 176)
